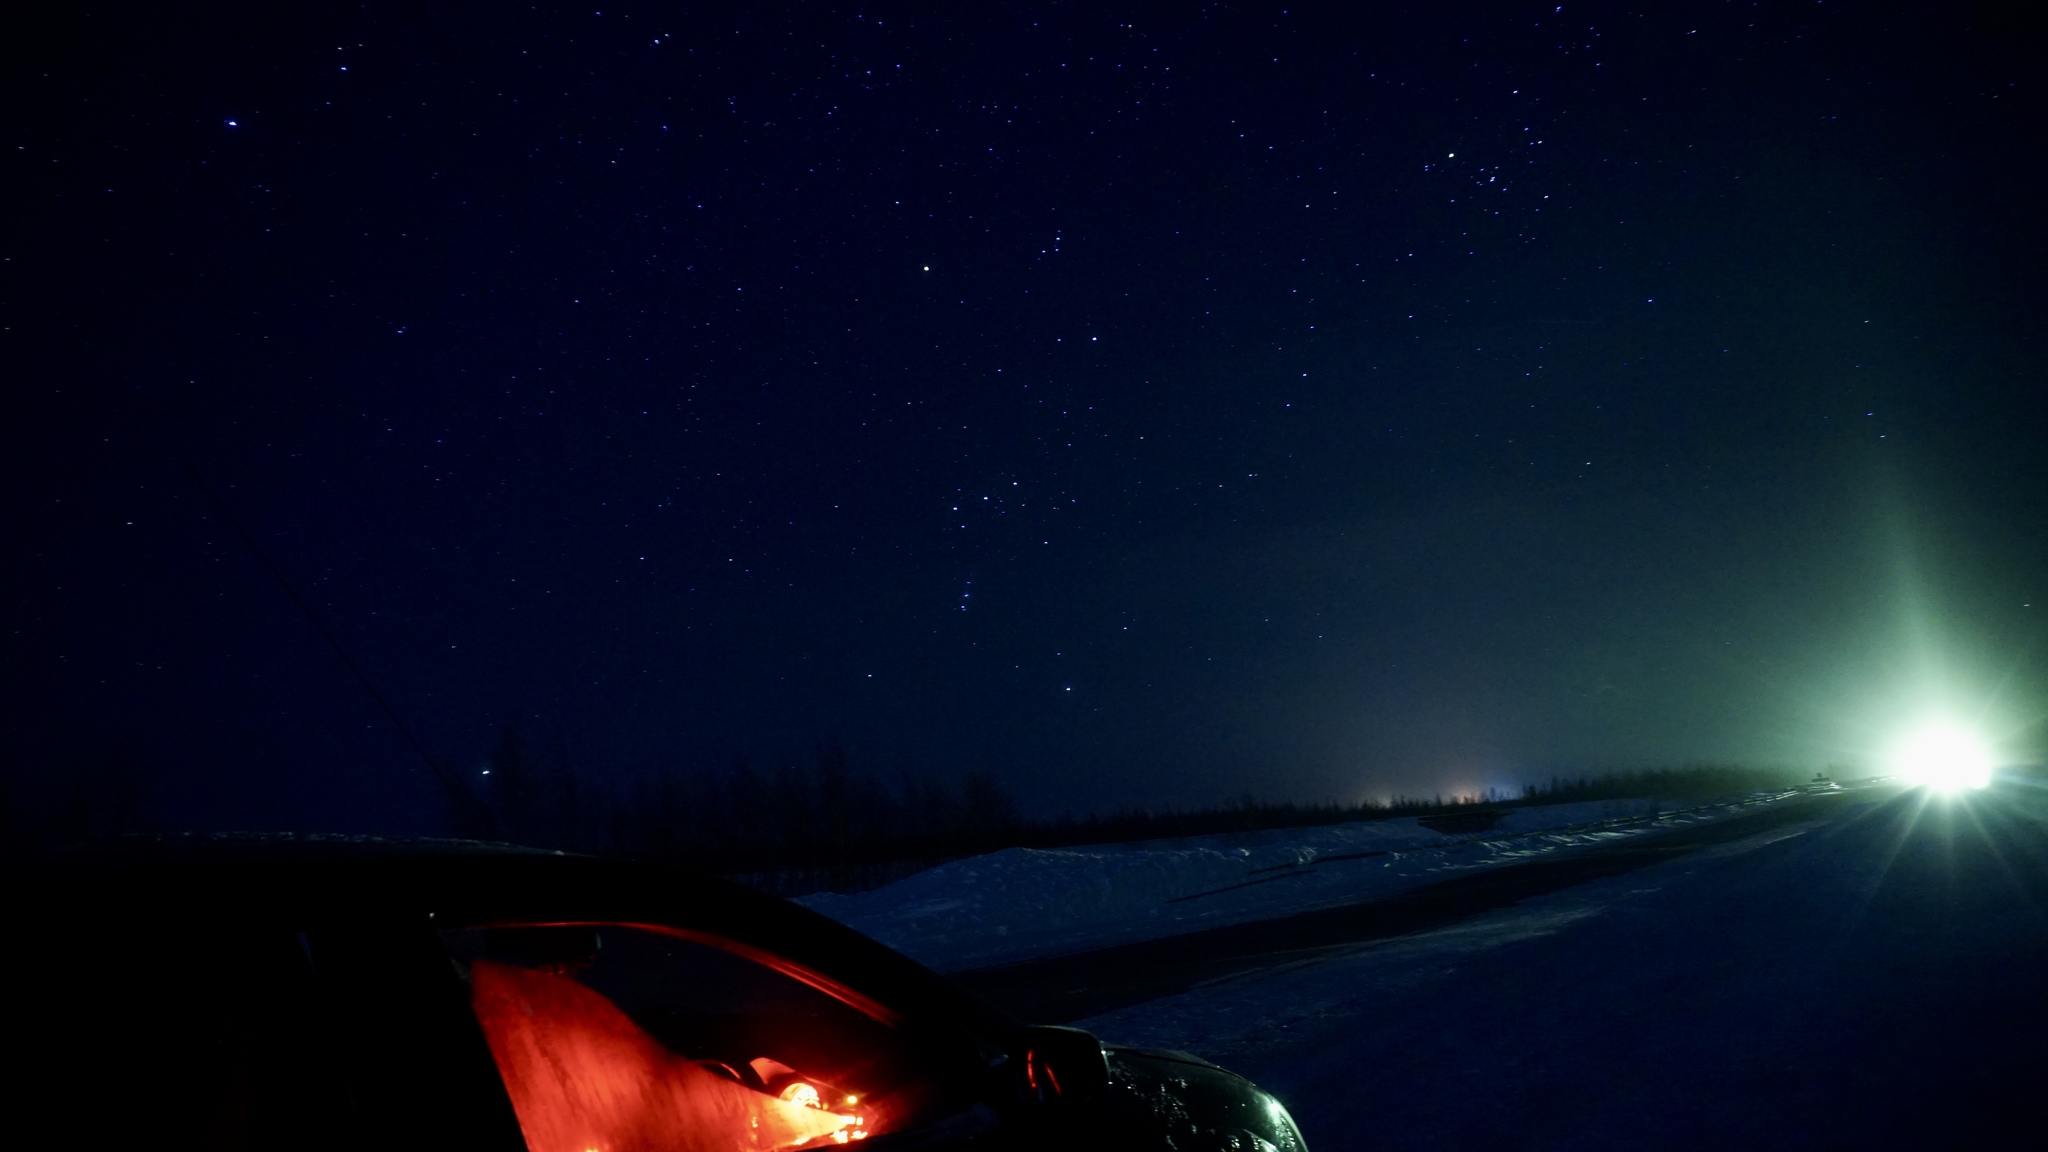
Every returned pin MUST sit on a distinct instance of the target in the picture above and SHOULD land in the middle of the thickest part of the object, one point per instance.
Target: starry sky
(1148, 404)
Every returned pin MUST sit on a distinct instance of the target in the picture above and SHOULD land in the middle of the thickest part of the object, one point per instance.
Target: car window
(625, 1037)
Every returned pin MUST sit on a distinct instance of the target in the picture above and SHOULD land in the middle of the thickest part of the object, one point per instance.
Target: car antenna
(458, 791)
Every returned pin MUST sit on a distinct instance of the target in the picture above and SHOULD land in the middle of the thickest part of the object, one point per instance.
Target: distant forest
(824, 824)
(828, 824)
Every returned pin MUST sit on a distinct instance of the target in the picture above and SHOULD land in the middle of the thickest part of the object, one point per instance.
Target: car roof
(293, 880)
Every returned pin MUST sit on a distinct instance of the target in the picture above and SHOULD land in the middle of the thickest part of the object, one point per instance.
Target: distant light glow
(1944, 757)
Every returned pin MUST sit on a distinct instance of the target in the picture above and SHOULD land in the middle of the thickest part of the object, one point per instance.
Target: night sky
(1146, 404)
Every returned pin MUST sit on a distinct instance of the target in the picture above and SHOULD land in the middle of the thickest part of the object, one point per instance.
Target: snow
(1256, 1020)
(1869, 979)
(1025, 903)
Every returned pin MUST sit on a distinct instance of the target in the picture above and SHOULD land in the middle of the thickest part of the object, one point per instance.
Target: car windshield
(624, 1037)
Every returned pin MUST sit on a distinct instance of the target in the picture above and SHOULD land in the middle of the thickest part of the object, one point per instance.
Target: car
(269, 992)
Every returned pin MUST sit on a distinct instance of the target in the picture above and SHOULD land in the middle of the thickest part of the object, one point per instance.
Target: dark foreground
(1872, 976)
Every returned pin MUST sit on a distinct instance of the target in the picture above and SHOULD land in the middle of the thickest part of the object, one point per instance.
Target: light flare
(1943, 757)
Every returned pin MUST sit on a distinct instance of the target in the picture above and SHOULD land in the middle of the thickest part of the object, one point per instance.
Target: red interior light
(584, 1077)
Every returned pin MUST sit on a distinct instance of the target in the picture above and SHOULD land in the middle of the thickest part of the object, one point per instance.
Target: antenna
(457, 790)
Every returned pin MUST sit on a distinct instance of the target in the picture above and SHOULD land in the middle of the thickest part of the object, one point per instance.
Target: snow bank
(1025, 903)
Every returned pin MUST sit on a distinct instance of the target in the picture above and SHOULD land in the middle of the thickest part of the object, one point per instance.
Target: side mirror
(1062, 1065)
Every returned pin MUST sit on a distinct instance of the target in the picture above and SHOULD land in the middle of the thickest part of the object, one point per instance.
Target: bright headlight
(1944, 757)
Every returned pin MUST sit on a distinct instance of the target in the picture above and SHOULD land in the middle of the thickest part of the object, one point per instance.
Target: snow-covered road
(1875, 979)
(1866, 970)
(1023, 904)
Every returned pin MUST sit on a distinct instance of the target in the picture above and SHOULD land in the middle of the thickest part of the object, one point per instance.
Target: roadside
(1259, 1016)
(1868, 979)
(1087, 984)
(1025, 904)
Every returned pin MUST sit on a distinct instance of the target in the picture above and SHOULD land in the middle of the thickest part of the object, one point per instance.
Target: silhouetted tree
(77, 798)
(108, 796)
(989, 809)
(536, 799)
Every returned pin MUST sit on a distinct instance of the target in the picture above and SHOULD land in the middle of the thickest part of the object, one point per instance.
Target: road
(1872, 972)
(1061, 989)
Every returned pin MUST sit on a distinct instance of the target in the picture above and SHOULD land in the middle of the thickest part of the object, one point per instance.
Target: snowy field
(1024, 903)
(1868, 978)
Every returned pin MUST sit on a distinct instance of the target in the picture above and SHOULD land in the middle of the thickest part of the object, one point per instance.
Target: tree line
(828, 823)
(821, 823)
